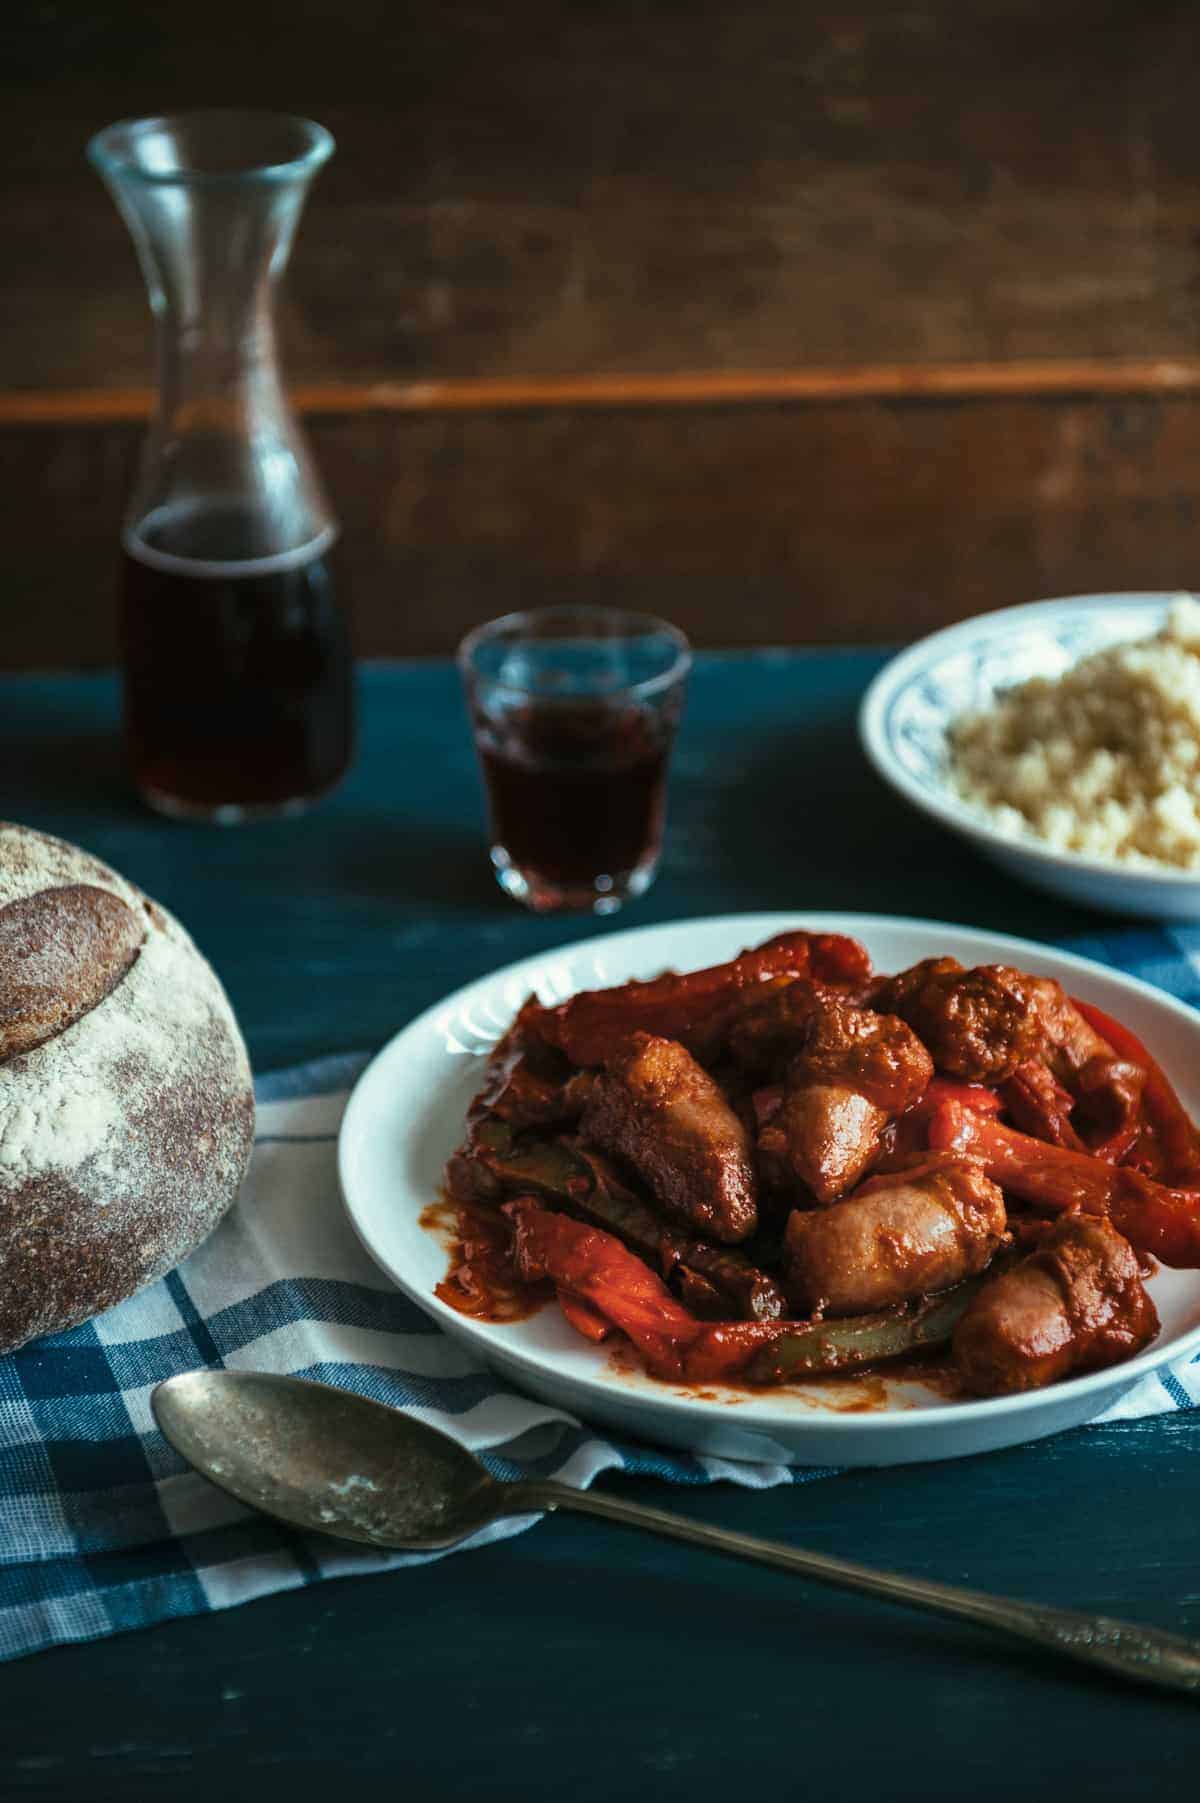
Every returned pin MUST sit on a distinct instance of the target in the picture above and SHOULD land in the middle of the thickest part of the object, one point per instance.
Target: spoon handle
(1123, 1648)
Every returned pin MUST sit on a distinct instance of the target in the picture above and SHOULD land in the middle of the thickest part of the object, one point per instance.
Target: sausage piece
(897, 1236)
(1076, 1304)
(773, 1023)
(823, 1134)
(854, 1071)
(655, 1107)
(1071, 1043)
(978, 1024)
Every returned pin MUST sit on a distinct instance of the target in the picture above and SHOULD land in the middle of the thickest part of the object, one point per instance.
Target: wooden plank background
(798, 323)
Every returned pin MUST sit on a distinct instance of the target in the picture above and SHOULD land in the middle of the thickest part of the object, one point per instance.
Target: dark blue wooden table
(577, 1662)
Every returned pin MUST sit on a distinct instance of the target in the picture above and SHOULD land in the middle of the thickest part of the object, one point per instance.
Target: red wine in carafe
(238, 679)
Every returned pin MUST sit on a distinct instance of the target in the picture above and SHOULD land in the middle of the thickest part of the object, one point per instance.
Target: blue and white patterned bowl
(908, 710)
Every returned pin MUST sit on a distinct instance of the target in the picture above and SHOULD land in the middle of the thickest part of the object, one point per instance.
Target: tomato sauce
(480, 1281)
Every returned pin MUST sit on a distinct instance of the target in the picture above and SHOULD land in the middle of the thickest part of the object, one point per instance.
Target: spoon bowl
(327, 1460)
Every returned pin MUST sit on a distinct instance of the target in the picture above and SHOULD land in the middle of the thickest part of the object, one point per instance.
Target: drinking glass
(574, 711)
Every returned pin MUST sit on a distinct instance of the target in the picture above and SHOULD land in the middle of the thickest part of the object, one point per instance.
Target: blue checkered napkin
(102, 1527)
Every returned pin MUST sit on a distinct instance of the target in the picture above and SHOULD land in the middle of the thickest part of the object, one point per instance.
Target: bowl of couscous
(1062, 738)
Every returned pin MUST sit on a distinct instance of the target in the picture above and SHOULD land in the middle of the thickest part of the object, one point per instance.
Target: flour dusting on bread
(124, 1137)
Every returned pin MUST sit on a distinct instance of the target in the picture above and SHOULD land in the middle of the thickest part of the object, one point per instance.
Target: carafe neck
(218, 364)
(213, 243)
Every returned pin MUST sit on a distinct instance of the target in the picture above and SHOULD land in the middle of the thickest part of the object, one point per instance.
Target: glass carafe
(238, 680)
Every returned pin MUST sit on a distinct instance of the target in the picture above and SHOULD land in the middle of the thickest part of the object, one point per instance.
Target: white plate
(406, 1116)
(908, 709)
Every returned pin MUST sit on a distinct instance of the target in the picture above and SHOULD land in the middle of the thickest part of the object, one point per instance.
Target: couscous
(1104, 760)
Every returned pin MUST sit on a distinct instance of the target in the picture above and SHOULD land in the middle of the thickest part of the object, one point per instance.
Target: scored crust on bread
(126, 1102)
(61, 952)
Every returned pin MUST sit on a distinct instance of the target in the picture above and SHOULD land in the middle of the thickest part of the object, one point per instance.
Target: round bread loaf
(126, 1104)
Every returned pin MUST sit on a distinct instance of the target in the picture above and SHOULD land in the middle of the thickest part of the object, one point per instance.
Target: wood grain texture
(797, 324)
(547, 189)
(751, 524)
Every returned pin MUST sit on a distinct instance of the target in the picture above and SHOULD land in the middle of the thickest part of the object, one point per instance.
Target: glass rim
(644, 626)
(103, 153)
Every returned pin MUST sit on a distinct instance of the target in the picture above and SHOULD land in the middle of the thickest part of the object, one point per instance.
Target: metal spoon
(334, 1463)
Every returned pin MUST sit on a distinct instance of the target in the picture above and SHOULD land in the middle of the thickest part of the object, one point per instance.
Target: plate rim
(828, 1421)
(946, 808)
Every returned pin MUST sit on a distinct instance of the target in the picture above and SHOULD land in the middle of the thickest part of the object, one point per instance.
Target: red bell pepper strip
(1125, 1135)
(976, 1096)
(907, 1136)
(1040, 1105)
(694, 1008)
(1120, 1147)
(1176, 1133)
(584, 1318)
(1155, 1219)
(595, 1269)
